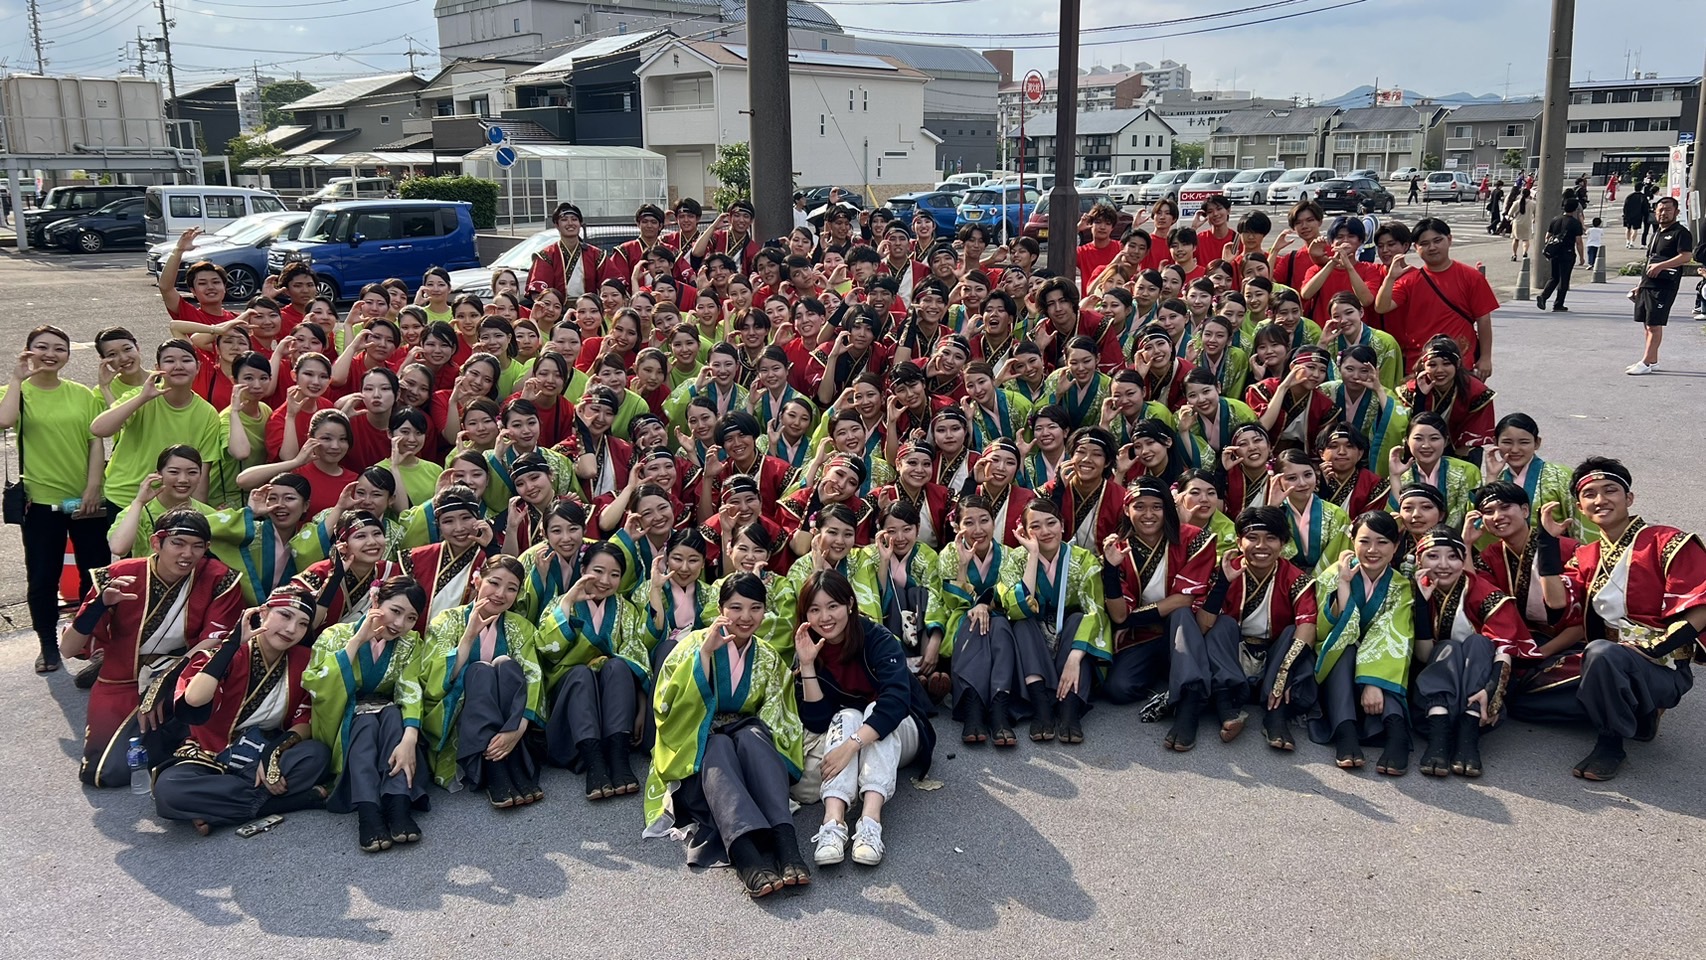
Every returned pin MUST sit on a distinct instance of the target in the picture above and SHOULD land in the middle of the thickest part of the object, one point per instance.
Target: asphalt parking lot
(1113, 848)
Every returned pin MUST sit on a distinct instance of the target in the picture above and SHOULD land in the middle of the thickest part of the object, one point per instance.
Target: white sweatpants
(875, 771)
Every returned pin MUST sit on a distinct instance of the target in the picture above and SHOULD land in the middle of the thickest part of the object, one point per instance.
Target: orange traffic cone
(70, 584)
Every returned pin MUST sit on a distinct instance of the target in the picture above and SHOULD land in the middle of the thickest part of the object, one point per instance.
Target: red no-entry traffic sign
(1034, 86)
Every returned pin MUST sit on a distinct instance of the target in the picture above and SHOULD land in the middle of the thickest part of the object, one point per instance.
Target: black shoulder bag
(1454, 308)
(14, 501)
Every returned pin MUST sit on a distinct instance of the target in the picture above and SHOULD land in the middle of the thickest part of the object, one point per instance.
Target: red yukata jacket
(1110, 508)
(1291, 603)
(1364, 491)
(426, 565)
(1487, 610)
(1514, 575)
(619, 263)
(548, 267)
(772, 477)
(1468, 413)
(211, 737)
(1667, 578)
(712, 531)
(794, 510)
(1190, 566)
(1317, 410)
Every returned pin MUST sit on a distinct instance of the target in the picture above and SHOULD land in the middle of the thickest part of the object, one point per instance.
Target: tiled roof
(346, 91)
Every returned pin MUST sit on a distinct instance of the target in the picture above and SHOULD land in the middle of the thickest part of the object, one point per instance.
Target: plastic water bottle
(71, 505)
(141, 781)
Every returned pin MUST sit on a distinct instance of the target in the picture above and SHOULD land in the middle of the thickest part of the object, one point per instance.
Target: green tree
(733, 169)
(1430, 162)
(1187, 155)
(274, 96)
(249, 146)
(1515, 159)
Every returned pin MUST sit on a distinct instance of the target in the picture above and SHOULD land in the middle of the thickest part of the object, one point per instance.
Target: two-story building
(351, 115)
(1195, 113)
(959, 100)
(1615, 124)
(1108, 141)
(1384, 138)
(856, 119)
(1479, 136)
(1289, 137)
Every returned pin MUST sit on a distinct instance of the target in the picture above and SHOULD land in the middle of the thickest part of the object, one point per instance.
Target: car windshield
(983, 197)
(1293, 176)
(250, 229)
(118, 205)
(323, 227)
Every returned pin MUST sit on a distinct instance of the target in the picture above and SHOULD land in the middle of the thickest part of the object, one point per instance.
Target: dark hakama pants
(1545, 691)
(196, 791)
(106, 744)
(1341, 701)
(590, 705)
(373, 737)
(1231, 658)
(1140, 669)
(1033, 656)
(494, 701)
(1620, 687)
(741, 786)
(985, 663)
(1457, 670)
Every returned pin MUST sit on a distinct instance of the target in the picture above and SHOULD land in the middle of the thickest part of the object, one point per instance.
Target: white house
(858, 119)
(1109, 141)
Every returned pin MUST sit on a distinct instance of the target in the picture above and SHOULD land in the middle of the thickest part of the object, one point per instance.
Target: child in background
(1596, 238)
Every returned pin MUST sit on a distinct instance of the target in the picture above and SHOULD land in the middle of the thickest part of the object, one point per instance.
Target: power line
(1162, 36)
(1055, 34)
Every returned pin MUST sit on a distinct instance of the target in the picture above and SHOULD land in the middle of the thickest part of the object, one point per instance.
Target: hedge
(483, 194)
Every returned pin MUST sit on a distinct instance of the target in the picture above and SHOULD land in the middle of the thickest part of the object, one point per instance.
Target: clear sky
(1435, 47)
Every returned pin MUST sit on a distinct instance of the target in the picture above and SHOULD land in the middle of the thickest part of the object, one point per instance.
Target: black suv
(63, 202)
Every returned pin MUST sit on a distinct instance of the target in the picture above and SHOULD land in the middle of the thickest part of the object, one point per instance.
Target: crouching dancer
(248, 753)
(1644, 590)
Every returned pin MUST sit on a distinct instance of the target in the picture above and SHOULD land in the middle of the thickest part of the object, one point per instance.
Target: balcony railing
(678, 107)
(1513, 143)
(1460, 143)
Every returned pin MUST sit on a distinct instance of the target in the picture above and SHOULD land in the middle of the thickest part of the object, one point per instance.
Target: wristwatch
(854, 736)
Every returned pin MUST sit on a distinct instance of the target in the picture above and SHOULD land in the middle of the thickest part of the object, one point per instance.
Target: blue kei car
(941, 205)
(991, 206)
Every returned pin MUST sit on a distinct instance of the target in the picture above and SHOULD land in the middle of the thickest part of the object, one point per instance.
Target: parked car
(348, 188)
(1036, 222)
(63, 202)
(1094, 181)
(1300, 184)
(1443, 185)
(1406, 174)
(1251, 186)
(994, 206)
(1368, 174)
(818, 196)
(1163, 186)
(1123, 188)
(478, 280)
(942, 205)
(241, 249)
(963, 181)
(118, 224)
(173, 208)
(1358, 195)
(357, 242)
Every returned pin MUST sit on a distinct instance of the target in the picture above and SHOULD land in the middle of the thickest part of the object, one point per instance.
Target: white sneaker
(831, 841)
(868, 842)
(1638, 368)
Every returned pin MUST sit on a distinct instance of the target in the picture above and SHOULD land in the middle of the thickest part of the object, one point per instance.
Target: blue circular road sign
(495, 134)
(506, 156)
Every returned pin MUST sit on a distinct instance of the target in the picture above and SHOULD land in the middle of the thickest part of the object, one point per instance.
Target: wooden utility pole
(771, 122)
(1554, 129)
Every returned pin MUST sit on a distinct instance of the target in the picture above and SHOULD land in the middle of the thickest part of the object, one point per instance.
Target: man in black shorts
(1671, 247)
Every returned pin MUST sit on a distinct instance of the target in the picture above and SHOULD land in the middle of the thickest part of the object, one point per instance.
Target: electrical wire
(1178, 33)
(1196, 18)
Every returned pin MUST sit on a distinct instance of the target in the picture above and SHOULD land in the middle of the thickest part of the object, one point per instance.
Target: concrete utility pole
(35, 39)
(1063, 199)
(1554, 126)
(1697, 171)
(772, 117)
(171, 77)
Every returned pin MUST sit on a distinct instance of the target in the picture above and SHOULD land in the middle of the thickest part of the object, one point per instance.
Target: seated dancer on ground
(976, 572)
(1059, 604)
(864, 713)
(896, 581)
(143, 617)
(729, 742)
(248, 753)
(592, 651)
(481, 689)
(675, 596)
(1259, 645)
(365, 681)
(1086, 491)
(1154, 572)
(1468, 632)
(1543, 687)
(1643, 589)
(1366, 632)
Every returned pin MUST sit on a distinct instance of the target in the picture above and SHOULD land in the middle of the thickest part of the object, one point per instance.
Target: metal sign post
(1033, 93)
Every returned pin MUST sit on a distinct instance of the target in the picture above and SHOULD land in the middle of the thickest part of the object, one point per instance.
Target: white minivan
(1299, 184)
(171, 209)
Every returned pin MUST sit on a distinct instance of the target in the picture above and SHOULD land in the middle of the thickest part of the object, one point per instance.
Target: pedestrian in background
(1634, 216)
(1521, 216)
(1560, 251)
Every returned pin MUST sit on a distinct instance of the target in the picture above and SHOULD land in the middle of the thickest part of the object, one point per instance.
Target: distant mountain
(1360, 97)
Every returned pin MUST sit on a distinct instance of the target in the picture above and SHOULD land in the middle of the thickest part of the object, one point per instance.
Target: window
(339, 121)
(373, 226)
(517, 25)
(879, 168)
(1644, 96)
(185, 206)
(447, 217)
(1596, 126)
(415, 224)
(823, 44)
(1658, 123)
(1578, 126)
(1582, 97)
(850, 99)
(325, 121)
(1616, 126)
(383, 120)
(621, 28)
(1575, 156)
(1462, 130)
(865, 100)
(1622, 96)
(1513, 129)
(822, 124)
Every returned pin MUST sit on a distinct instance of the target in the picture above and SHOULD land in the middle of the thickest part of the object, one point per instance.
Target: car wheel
(1387, 206)
(1303, 198)
(240, 283)
(88, 241)
(325, 287)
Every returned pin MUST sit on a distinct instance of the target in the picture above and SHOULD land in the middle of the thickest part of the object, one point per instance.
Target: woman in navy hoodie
(865, 715)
